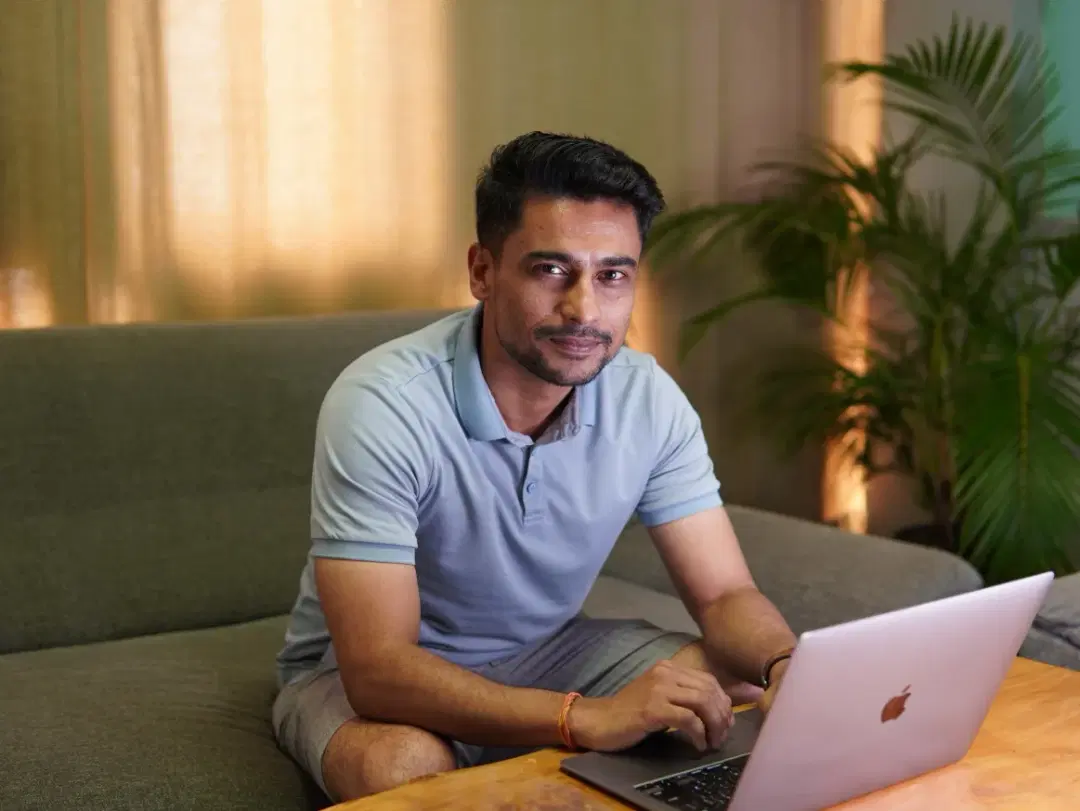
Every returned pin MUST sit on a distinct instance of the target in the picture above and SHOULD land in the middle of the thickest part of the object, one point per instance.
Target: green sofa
(153, 525)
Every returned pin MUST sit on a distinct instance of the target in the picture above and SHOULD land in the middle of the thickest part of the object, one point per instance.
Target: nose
(579, 304)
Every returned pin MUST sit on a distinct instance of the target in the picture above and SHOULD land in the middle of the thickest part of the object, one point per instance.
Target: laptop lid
(876, 701)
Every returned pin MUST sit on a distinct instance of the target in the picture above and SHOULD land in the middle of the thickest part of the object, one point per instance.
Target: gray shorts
(595, 657)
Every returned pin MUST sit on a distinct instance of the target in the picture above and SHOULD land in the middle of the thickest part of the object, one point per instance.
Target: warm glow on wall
(854, 29)
(644, 325)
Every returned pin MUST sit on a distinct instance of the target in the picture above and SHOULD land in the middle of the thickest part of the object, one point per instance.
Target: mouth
(576, 348)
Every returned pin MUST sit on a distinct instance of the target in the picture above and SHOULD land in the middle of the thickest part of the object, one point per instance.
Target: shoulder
(645, 389)
(395, 364)
(396, 388)
(397, 370)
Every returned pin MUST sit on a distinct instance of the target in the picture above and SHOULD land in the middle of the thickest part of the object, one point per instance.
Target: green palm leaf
(804, 396)
(988, 102)
(962, 87)
(969, 384)
(1016, 447)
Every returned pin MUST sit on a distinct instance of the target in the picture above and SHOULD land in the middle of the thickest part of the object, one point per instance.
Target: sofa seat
(180, 720)
(169, 721)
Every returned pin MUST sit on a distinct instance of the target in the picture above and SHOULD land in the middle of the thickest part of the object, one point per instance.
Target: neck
(527, 404)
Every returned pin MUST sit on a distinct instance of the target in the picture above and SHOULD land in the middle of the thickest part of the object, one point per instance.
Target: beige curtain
(219, 158)
(164, 159)
(214, 158)
(42, 154)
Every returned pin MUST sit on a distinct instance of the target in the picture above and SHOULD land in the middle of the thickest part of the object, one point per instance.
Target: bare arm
(742, 628)
(373, 613)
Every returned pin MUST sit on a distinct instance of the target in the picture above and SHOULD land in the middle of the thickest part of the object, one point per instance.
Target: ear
(481, 271)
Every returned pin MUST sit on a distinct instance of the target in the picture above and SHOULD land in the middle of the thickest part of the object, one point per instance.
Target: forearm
(412, 686)
(742, 630)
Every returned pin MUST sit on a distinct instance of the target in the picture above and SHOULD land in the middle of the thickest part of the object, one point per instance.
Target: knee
(402, 756)
(392, 757)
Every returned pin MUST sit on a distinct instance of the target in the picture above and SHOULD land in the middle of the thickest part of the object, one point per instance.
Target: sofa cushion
(172, 721)
(149, 468)
(816, 575)
(131, 572)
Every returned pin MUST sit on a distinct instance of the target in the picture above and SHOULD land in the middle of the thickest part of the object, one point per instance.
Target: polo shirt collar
(476, 406)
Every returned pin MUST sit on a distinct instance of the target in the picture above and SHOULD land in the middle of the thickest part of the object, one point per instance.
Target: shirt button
(530, 487)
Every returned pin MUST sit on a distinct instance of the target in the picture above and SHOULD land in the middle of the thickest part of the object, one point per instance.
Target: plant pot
(932, 535)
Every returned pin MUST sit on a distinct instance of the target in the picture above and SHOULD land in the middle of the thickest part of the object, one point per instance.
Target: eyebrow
(567, 259)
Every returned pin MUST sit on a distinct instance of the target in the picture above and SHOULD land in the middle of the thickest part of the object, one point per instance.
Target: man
(470, 480)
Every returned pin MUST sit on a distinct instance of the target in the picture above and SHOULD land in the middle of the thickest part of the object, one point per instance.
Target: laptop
(864, 705)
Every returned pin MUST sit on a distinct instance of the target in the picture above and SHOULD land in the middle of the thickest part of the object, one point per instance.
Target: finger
(708, 685)
(742, 693)
(716, 715)
(689, 724)
(691, 677)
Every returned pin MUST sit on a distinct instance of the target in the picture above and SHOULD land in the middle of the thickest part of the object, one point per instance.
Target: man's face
(560, 296)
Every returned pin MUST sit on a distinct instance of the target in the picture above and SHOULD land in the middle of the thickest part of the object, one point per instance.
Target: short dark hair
(554, 165)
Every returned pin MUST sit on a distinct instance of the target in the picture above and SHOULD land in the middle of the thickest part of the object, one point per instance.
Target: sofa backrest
(156, 477)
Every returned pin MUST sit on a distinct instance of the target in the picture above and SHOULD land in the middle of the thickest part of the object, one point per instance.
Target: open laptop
(864, 705)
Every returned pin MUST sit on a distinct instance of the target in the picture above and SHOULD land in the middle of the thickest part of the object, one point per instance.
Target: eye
(549, 269)
(612, 275)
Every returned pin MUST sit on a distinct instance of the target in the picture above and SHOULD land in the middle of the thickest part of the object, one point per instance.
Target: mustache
(573, 332)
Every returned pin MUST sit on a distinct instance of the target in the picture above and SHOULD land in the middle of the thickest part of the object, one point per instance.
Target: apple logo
(895, 706)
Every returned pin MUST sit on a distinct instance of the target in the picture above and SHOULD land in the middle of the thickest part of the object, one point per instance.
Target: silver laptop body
(864, 705)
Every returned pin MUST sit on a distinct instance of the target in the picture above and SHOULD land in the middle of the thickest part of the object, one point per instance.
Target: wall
(1059, 26)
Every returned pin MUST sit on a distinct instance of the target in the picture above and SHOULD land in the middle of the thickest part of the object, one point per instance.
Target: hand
(667, 696)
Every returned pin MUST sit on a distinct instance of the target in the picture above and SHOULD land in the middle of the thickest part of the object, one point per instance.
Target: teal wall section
(1060, 30)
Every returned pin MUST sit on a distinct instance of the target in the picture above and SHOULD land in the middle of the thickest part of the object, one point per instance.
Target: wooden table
(1026, 757)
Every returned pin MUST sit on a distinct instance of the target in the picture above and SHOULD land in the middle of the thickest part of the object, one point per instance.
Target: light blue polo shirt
(415, 465)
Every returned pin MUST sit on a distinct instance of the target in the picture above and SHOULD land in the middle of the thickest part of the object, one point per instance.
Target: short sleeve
(367, 476)
(682, 481)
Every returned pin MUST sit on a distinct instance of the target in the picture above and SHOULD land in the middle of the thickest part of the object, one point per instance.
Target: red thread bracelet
(564, 720)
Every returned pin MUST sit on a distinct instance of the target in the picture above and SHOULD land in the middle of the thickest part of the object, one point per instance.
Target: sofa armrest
(816, 575)
(1047, 647)
(1055, 635)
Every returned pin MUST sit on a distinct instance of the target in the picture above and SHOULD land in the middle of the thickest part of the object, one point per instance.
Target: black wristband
(773, 660)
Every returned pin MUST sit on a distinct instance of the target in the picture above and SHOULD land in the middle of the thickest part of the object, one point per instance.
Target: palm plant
(967, 379)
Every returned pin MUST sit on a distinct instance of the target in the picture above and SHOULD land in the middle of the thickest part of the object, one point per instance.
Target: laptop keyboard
(706, 788)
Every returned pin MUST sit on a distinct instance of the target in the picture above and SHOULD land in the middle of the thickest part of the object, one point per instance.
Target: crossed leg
(365, 758)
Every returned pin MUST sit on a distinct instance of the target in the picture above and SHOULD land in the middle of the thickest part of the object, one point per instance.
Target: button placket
(531, 490)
